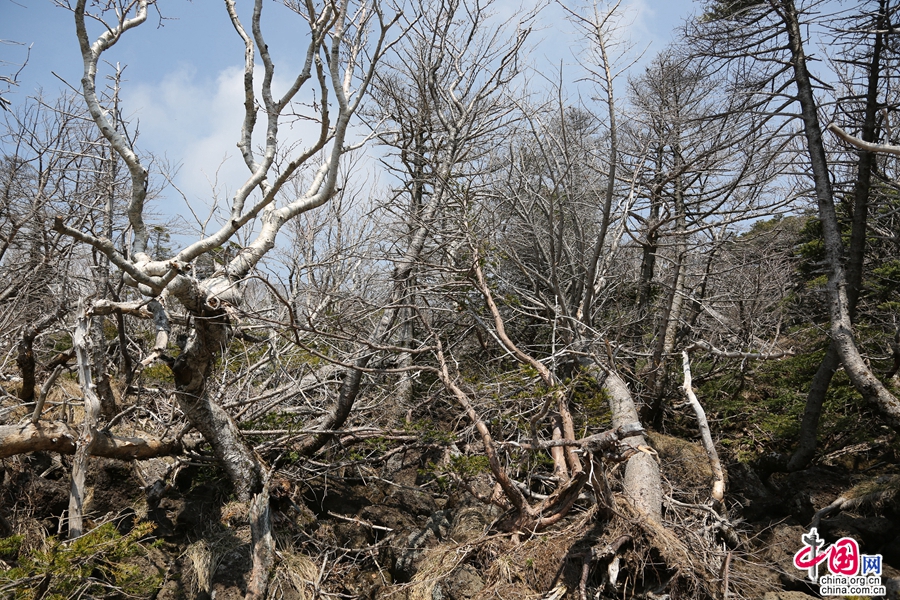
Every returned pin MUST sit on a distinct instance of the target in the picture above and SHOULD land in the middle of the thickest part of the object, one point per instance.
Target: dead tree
(774, 31)
(870, 63)
(344, 42)
(441, 105)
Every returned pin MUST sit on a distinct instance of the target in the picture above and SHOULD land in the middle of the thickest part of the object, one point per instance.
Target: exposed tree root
(642, 481)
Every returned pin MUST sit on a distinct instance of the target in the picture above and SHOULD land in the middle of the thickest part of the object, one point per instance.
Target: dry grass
(684, 462)
(873, 493)
(204, 557)
(295, 576)
(436, 565)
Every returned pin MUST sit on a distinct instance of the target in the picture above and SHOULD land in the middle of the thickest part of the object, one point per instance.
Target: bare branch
(863, 145)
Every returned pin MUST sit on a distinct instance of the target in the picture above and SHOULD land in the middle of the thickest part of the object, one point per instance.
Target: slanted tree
(863, 61)
(776, 75)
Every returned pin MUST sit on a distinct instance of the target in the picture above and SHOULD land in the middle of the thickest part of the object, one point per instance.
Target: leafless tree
(344, 43)
(763, 45)
(441, 103)
(865, 68)
(710, 171)
(55, 164)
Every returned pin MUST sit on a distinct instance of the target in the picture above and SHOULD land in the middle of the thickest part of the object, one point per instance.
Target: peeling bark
(102, 382)
(262, 545)
(192, 369)
(81, 342)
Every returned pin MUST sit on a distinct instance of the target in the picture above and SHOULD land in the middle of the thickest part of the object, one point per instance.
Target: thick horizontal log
(56, 436)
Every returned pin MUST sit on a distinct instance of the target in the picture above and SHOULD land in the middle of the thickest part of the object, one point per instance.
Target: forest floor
(396, 531)
(385, 521)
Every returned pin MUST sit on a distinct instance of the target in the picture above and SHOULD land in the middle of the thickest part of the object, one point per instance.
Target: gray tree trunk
(643, 485)
(192, 369)
(839, 305)
(818, 388)
(81, 341)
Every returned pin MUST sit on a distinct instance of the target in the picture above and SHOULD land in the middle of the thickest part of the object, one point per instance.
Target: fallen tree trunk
(643, 485)
(57, 436)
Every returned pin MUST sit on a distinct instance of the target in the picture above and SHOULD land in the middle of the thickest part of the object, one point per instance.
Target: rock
(171, 590)
(821, 485)
(439, 524)
(801, 507)
(483, 484)
(403, 468)
(463, 583)
(893, 588)
(353, 535)
(891, 552)
(890, 579)
(342, 498)
(758, 501)
(872, 533)
(777, 551)
(412, 501)
(406, 558)
(787, 596)
(367, 584)
(387, 516)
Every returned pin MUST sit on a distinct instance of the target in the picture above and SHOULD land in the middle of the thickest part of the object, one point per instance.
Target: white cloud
(195, 121)
(639, 15)
(192, 121)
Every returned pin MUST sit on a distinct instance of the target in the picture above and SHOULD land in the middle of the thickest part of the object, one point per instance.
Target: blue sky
(198, 34)
(182, 75)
